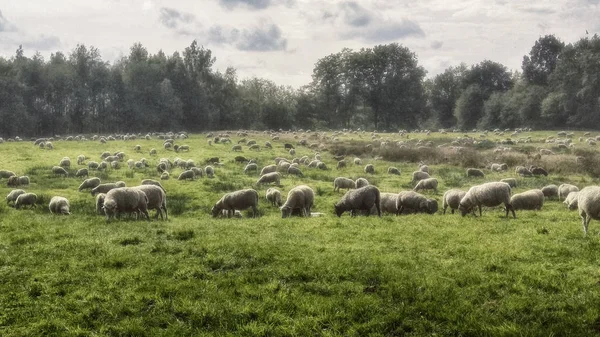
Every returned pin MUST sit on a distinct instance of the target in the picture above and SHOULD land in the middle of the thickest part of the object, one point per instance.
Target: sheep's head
(338, 210)
(215, 211)
(464, 208)
(286, 211)
(429, 206)
(110, 206)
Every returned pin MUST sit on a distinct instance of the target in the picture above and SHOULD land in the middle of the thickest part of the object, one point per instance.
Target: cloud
(385, 31)
(253, 4)
(172, 18)
(265, 37)
(5, 25)
(41, 42)
(436, 44)
(538, 10)
(355, 15)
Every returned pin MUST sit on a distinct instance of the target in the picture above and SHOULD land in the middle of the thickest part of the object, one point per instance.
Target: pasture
(407, 275)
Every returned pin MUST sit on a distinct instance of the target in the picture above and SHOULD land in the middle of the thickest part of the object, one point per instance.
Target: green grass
(413, 275)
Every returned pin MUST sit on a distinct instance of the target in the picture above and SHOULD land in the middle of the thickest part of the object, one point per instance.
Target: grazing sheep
(24, 180)
(410, 200)
(189, 174)
(105, 188)
(523, 171)
(528, 200)
(152, 152)
(274, 196)
(473, 172)
(13, 181)
(59, 205)
(321, 166)
(489, 195)
(361, 199)
(125, 200)
(537, 171)
(6, 174)
(571, 201)
(498, 167)
(164, 176)
(357, 161)
(512, 182)
(240, 159)
(299, 198)
(369, 168)
(59, 171)
(153, 182)
(89, 183)
(588, 203)
(565, 189)
(268, 169)
(197, 171)
(361, 182)
(292, 152)
(250, 167)
(65, 162)
(100, 203)
(83, 172)
(424, 168)
(236, 148)
(550, 191)
(268, 178)
(13, 195)
(419, 175)
(26, 199)
(387, 203)
(238, 200)
(92, 165)
(288, 146)
(452, 199)
(295, 171)
(210, 171)
(254, 147)
(340, 164)
(80, 159)
(283, 166)
(393, 170)
(157, 198)
(343, 182)
(426, 184)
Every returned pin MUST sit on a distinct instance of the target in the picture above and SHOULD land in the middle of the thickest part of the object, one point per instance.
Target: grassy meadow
(408, 275)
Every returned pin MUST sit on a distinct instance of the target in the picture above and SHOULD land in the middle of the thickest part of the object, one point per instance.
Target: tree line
(382, 88)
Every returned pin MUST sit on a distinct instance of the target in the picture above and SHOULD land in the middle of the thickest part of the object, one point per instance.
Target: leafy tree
(541, 61)
(469, 107)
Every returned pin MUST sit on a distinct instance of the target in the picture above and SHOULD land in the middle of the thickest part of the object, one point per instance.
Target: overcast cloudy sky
(282, 39)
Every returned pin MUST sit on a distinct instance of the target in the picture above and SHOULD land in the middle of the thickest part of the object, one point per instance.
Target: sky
(283, 39)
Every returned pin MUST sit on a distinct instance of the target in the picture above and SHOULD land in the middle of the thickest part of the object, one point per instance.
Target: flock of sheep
(114, 199)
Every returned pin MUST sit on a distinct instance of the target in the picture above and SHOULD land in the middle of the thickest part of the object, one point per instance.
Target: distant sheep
(153, 182)
(427, 184)
(565, 189)
(321, 166)
(100, 203)
(59, 205)
(361, 199)
(13, 195)
(512, 182)
(125, 200)
(197, 171)
(528, 200)
(452, 199)
(89, 183)
(419, 175)
(92, 165)
(273, 177)
(273, 196)
(236, 148)
(369, 168)
(571, 201)
(164, 176)
(80, 159)
(410, 200)
(340, 164)
(393, 170)
(210, 171)
(13, 181)
(23, 180)
(537, 171)
(473, 172)
(343, 182)
(550, 191)
(361, 182)
(26, 199)
(424, 168)
(6, 174)
(83, 172)
(238, 200)
(105, 188)
(498, 167)
(489, 195)
(588, 203)
(523, 171)
(157, 198)
(299, 198)
(186, 175)
(250, 167)
(57, 170)
(295, 171)
(357, 161)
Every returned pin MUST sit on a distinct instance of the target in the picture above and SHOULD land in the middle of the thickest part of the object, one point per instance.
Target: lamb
(210, 171)
(361, 182)
(550, 191)
(13, 195)
(300, 198)
(100, 203)
(361, 199)
(125, 200)
(288, 146)
(80, 159)
(82, 173)
(283, 166)
(105, 188)
(153, 182)
(274, 196)
(512, 182)
(452, 199)
(295, 171)
(6, 174)
(268, 178)
(473, 172)
(268, 169)
(59, 171)
(369, 168)
(189, 174)
(89, 183)
(565, 189)
(238, 200)
(427, 184)
(343, 182)
(588, 203)
(186, 148)
(419, 175)
(410, 200)
(571, 201)
(26, 199)
(157, 198)
(528, 200)
(59, 205)
(489, 195)
(393, 170)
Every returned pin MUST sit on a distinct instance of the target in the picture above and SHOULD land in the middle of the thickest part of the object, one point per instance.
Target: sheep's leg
(445, 207)
(480, 213)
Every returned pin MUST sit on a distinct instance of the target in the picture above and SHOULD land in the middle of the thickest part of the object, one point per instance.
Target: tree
(469, 107)
(445, 89)
(541, 61)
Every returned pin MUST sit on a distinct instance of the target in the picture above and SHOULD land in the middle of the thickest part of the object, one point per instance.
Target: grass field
(409, 275)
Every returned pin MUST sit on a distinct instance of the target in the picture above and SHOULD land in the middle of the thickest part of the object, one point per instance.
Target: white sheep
(268, 169)
(473, 172)
(273, 196)
(65, 162)
(419, 175)
(83, 172)
(321, 165)
(369, 168)
(565, 189)
(164, 176)
(105, 188)
(273, 177)
(393, 170)
(59, 171)
(523, 171)
(427, 184)
(210, 171)
(357, 161)
(299, 198)
(80, 159)
(512, 182)
(295, 171)
(528, 200)
(387, 203)
(189, 174)
(197, 171)
(343, 182)
(361, 199)
(100, 203)
(588, 203)
(452, 199)
(424, 168)
(489, 195)
(238, 200)
(13, 195)
(26, 199)
(89, 183)
(550, 191)
(92, 165)
(236, 148)
(250, 167)
(571, 201)
(125, 200)
(416, 202)
(361, 182)
(6, 174)
(59, 205)
(153, 182)
(157, 198)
